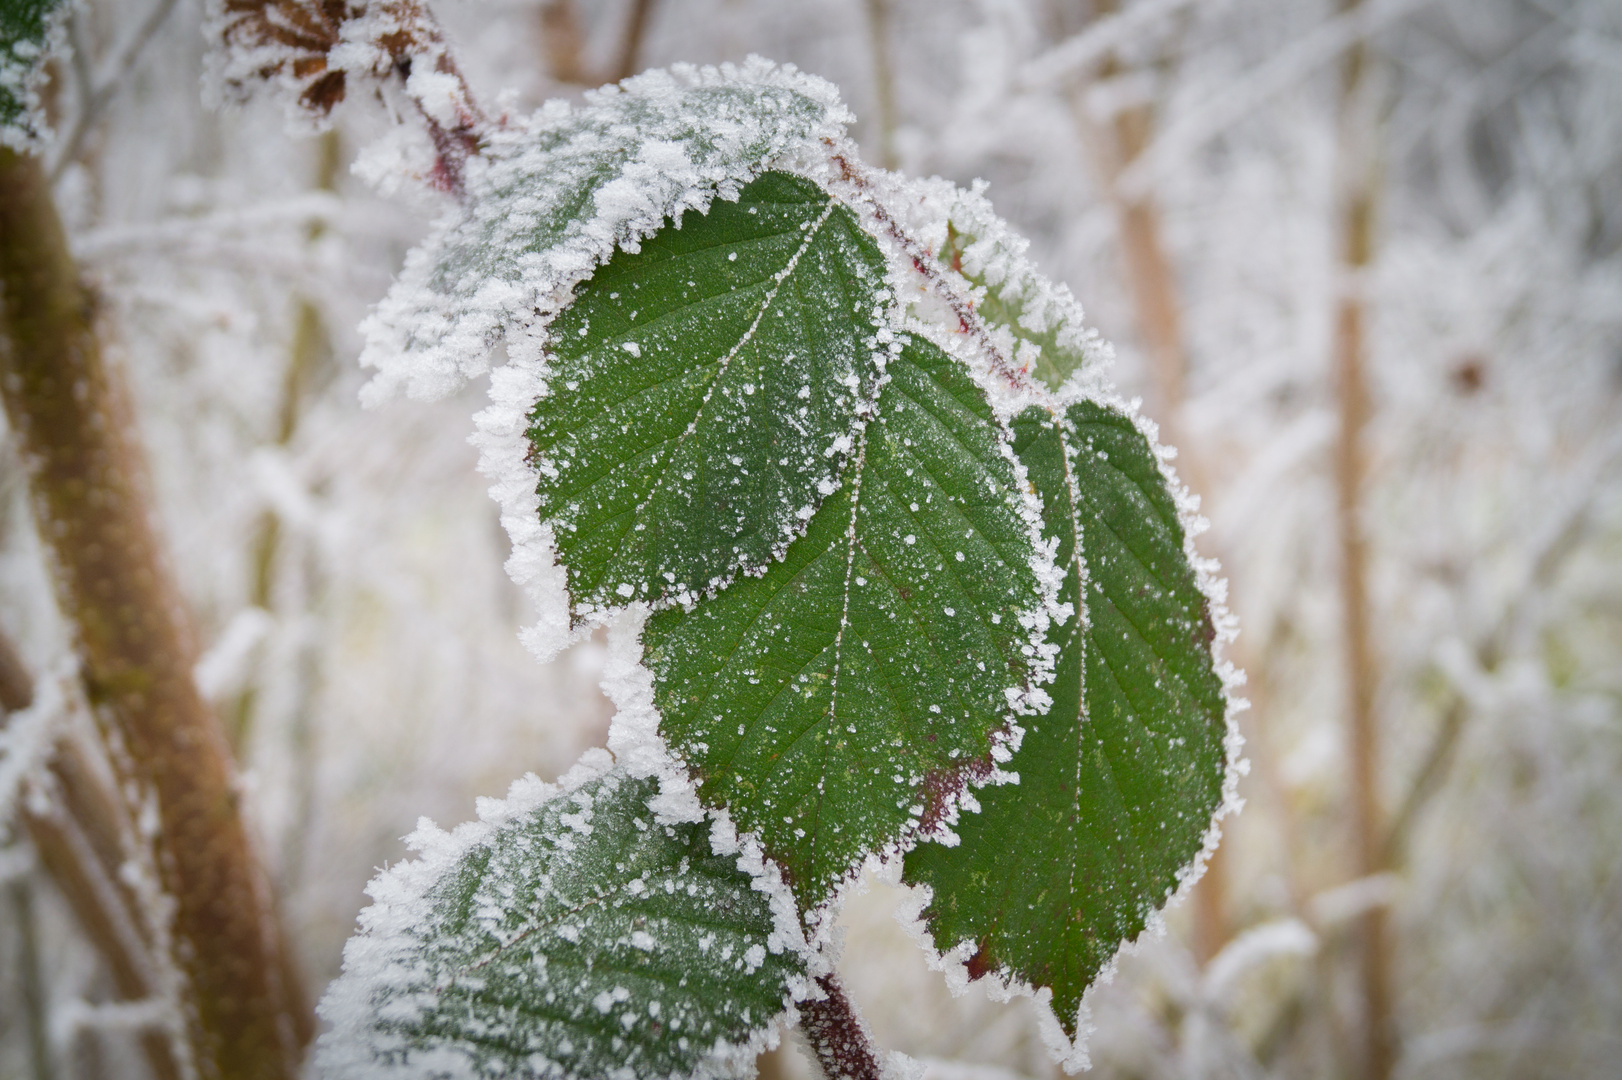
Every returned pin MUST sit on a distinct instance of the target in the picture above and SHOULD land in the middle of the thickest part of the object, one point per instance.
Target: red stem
(837, 1035)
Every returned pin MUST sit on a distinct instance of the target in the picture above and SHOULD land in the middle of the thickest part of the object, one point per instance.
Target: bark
(133, 640)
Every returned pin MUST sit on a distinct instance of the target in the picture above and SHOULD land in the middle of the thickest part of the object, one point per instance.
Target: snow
(376, 1005)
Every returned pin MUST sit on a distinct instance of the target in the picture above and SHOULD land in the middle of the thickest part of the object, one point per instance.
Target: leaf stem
(839, 1039)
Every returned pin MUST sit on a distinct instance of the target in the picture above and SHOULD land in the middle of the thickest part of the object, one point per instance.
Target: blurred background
(1363, 263)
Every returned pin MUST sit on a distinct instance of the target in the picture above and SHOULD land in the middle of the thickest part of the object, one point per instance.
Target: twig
(929, 267)
(563, 41)
(838, 1037)
(878, 29)
(21, 895)
(87, 479)
(85, 837)
(16, 686)
(636, 29)
(1356, 209)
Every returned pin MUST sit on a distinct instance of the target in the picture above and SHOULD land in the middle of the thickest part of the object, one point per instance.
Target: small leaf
(839, 699)
(576, 938)
(25, 42)
(1119, 780)
(703, 392)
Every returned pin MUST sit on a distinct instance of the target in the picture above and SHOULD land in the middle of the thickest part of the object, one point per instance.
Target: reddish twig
(837, 1035)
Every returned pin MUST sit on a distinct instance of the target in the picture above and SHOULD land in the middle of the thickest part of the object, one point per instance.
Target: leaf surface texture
(704, 391)
(835, 701)
(580, 939)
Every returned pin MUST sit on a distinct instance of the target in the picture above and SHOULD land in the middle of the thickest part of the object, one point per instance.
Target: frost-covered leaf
(568, 934)
(1120, 779)
(552, 197)
(703, 392)
(845, 696)
(1036, 322)
(25, 38)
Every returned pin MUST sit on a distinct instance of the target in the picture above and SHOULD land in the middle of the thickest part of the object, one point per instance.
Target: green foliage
(829, 703)
(25, 30)
(703, 388)
(1118, 781)
(581, 939)
(852, 529)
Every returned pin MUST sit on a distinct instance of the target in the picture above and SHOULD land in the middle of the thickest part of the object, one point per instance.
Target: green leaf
(555, 195)
(25, 31)
(1120, 779)
(837, 701)
(703, 393)
(577, 938)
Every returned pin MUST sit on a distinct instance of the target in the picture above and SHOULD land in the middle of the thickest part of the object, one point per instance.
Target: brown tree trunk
(133, 640)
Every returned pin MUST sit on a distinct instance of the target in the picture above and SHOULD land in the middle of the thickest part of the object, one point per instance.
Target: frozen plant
(891, 577)
(889, 573)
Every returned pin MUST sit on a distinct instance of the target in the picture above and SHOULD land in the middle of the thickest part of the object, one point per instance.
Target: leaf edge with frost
(31, 33)
(374, 996)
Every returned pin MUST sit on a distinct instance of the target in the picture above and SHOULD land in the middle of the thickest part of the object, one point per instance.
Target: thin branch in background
(1355, 200)
(86, 841)
(95, 93)
(16, 685)
(878, 31)
(564, 42)
(629, 61)
(32, 977)
(311, 351)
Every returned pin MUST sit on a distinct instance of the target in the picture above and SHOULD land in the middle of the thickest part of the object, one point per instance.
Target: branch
(878, 28)
(636, 29)
(85, 835)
